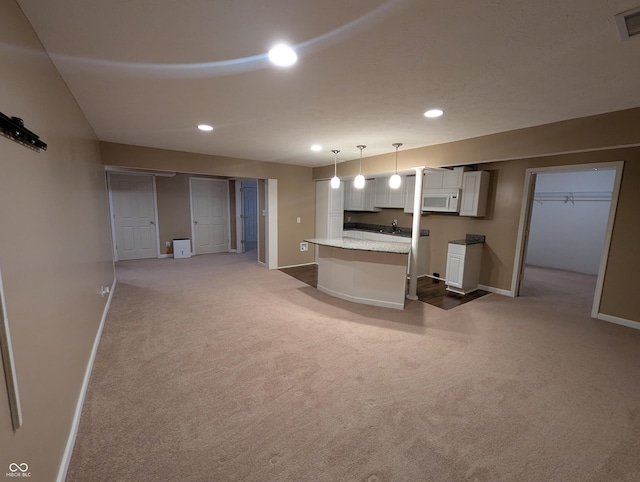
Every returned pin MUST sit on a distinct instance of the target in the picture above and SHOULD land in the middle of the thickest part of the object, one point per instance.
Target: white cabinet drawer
(457, 248)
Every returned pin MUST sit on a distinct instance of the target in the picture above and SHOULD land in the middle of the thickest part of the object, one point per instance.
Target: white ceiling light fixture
(335, 180)
(395, 180)
(433, 113)
(205, 127)
(316, 148)
(282, 55)
(359, 181)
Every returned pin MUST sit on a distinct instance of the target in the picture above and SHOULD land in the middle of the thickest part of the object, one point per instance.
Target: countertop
(470, 239)
(382, 228)
(363, 245)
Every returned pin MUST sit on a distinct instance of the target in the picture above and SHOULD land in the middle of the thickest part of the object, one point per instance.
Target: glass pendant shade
(335, 182)
(395, 181)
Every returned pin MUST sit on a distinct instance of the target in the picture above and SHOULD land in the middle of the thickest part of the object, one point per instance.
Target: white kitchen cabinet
(359, 199)
(385, 197)
(475, 188)
(409, 194)
(463, 267)
(444, 179)
(329, 210)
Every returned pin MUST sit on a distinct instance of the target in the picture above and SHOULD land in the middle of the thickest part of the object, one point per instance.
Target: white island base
(369, 277)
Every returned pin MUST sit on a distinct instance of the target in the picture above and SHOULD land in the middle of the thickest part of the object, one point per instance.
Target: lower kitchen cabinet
(463, 267)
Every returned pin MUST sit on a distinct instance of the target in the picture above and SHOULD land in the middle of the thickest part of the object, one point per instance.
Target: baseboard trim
(166, 256)
(619, 321)
(498, 291)
(297, 265)
(362, 300)
(66, 458)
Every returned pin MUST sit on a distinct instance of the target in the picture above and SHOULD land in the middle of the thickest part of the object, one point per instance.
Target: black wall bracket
(14, 129)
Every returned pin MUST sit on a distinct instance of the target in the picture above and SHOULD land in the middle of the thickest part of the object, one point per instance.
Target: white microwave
(441, 200)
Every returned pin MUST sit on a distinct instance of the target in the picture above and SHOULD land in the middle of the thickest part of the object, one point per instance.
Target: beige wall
(615, 129)
(619, 296)
(55, 248)
(500, 226)
(174, 208)
(296, 188)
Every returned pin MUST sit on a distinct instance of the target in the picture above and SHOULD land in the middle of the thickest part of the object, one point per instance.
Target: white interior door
(250, 216)
(210, 215)
(133, 210)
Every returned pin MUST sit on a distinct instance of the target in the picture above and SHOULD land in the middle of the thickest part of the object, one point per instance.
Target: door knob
(152, 222)
(195, 222)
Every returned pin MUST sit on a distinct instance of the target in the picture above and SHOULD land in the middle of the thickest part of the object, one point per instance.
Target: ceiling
(147, 72)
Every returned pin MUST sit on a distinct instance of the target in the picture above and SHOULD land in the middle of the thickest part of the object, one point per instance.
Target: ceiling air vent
(628, 23)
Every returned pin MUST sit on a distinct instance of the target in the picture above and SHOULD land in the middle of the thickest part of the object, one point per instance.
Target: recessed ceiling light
(282, 55)
(316, 148)
(205, 127)
(433, 113)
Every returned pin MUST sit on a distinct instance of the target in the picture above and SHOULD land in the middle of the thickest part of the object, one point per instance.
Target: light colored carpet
(215, 369)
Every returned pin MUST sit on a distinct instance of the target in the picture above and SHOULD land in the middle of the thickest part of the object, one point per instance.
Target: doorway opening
(249, 215)
(565, 230)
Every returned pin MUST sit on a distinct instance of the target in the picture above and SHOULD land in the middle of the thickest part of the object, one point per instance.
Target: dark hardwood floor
(429, 290)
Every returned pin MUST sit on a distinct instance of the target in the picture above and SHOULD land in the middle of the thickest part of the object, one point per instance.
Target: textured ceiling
(146, 72)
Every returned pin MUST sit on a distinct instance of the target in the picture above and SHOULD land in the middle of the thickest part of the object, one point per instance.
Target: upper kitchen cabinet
(329, 210)
(445, 179)
(409, 194)
(360, 199)
(475, 188)
(385, 197)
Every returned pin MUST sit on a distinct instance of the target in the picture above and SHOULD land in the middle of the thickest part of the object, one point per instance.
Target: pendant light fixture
(358, 182)
(395, 180)
(335, 180)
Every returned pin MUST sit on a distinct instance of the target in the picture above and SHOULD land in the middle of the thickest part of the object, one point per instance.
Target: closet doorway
(565, 232)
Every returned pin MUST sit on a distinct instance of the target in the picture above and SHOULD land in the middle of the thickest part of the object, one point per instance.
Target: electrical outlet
(304, 246)
(167, 244)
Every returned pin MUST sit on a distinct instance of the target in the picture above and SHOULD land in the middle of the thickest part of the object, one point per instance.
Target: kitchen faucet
(394, 226)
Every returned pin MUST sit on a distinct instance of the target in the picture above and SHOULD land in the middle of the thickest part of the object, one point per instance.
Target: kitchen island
(363, 271)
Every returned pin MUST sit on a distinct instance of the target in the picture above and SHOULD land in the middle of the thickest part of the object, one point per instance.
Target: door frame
(271, 225)
(193, 231)
(112, 214)
(525, 223)
(240, 247)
